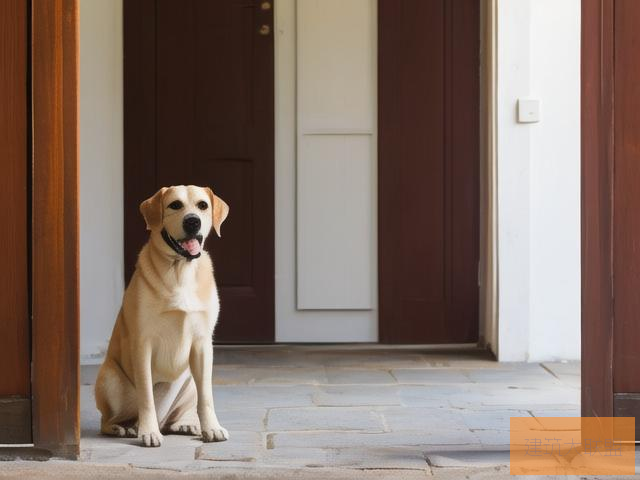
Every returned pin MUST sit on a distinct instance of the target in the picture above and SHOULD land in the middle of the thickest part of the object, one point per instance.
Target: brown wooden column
(55, 325)
(597, 190)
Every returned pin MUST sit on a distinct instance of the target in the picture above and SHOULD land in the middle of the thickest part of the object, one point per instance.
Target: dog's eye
(175, 205)
(202, 205)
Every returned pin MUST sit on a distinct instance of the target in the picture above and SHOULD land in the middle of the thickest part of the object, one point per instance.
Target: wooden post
(55, 325)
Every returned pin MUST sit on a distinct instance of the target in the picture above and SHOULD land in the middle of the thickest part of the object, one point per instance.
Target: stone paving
(349, 412)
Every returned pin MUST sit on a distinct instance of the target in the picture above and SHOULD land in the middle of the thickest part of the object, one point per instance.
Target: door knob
(264, 30)
(265, 6)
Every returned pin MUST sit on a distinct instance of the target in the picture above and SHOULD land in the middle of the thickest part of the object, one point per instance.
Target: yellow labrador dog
(156, 376)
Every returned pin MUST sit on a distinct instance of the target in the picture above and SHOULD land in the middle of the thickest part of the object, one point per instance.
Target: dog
(156, 376)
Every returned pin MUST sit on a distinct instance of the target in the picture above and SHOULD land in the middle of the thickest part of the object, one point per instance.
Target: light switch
(528, 110)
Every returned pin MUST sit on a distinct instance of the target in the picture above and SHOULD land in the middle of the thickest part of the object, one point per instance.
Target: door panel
(15, 390)
(212, 124)
(597, 172)
(626, 226)
(428, 170)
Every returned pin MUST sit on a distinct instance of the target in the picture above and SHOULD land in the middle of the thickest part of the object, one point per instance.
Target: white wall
(539, 180)
(101, 187)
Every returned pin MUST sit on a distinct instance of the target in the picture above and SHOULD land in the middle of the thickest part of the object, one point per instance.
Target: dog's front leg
(201, 363)
(148, 429)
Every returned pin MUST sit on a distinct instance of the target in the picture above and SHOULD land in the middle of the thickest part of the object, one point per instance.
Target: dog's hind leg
(116, 400)
(182, 417)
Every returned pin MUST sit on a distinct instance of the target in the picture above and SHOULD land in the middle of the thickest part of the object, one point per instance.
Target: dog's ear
(151, 209)
(219, 210)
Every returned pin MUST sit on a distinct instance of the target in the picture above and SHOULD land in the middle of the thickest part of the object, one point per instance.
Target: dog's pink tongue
(192, 246)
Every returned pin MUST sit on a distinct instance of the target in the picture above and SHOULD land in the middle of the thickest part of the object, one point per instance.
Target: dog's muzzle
(183, 247)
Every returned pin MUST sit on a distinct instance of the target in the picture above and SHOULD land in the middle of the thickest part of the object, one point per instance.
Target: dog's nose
(191, 224)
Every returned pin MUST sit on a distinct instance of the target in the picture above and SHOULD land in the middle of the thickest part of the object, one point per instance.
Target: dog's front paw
(151, 439)
(184, 429)
(216, 434)
(120, 431)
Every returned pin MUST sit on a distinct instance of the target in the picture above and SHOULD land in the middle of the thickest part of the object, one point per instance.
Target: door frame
(55, 326)
(54, 226)
(488, 258)
(597, 154)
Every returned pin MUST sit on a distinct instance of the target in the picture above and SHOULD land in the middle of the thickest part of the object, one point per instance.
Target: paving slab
(422, 419)
(224, 375)
(556, 412)
(255, 356)
(243, 419)
(245, 447)
(568, 373)
(430, 376)
(536, 396)
(359, 395)
(379, 359)
(491, 419)
(469, 458)
(507, 396)
(359, 376)
(513, 377)
(397, 458)
(324, 418)
(429, 395)
(469, 359)
(112, 450)
(263, 396)
(563, 368)
(363, 439)
(485, 473)
(492, 438)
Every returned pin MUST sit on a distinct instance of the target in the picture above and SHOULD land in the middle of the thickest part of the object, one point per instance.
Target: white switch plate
(528, 110)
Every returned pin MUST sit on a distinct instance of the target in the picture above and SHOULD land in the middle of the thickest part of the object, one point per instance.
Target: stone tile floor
(345, 412)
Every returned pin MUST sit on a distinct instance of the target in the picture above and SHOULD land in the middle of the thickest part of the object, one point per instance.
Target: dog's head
(183, 215)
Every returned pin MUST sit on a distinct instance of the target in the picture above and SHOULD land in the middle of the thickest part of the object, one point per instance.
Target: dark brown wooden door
(428, 170)
(199, 110)
(610, 205)
(15, 385)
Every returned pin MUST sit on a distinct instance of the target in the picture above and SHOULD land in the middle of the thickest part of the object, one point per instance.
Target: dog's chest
(185, 298)
(186, 295)
(172, 342)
